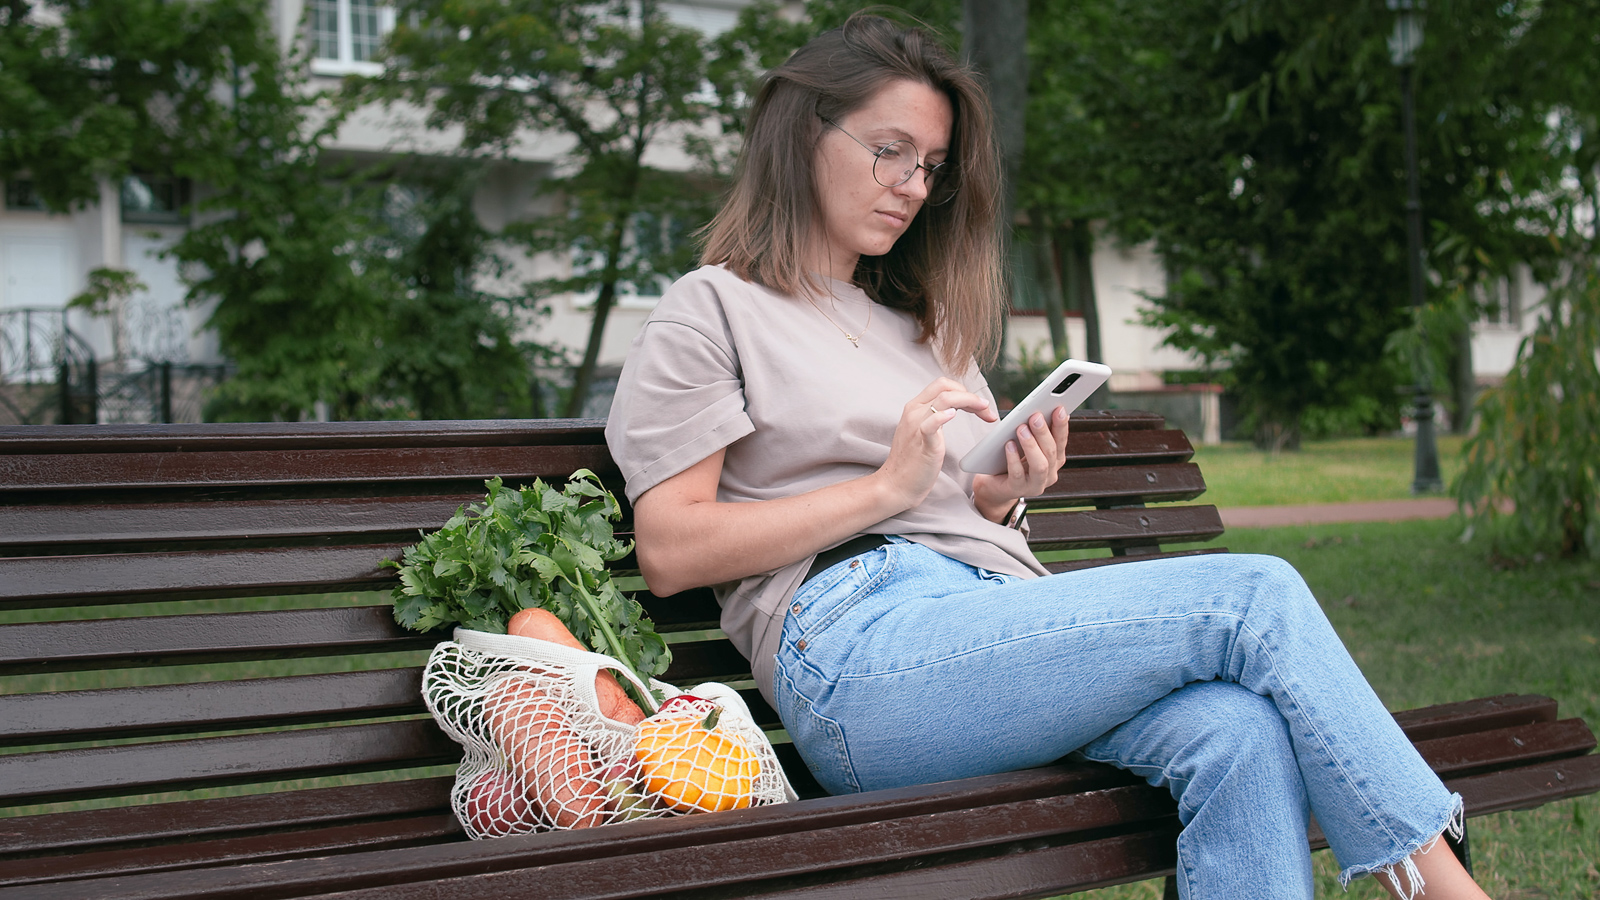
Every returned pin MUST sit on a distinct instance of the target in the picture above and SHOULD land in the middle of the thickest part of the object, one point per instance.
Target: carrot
(546, 755)
(544, 625)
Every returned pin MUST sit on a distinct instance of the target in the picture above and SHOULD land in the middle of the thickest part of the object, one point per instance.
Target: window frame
(346, 63)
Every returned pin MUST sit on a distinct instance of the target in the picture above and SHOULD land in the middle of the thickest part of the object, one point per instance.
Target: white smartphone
(1069, 385)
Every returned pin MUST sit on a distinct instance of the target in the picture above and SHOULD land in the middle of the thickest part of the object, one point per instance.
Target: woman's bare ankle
(1438, 876)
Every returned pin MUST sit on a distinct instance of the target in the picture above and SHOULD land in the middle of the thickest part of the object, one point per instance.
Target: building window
(155, 199)
(21, 195)
(346, 35)
(1501, 302)
(660, 245)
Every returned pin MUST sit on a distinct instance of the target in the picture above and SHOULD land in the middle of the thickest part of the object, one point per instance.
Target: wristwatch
(1014, 518)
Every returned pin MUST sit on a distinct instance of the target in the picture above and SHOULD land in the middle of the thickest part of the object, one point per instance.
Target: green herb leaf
(537, 546)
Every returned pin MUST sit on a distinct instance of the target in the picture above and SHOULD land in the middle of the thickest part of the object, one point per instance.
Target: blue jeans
(1217, 677)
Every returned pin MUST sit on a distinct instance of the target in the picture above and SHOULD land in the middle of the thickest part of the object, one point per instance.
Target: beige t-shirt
(726, 363)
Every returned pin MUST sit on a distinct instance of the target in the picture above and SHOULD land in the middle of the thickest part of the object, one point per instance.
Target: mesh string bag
(539, 756)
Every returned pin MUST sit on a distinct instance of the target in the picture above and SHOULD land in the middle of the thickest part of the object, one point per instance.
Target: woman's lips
(897, 219)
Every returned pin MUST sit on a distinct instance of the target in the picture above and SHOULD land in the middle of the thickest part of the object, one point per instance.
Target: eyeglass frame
(928, 180)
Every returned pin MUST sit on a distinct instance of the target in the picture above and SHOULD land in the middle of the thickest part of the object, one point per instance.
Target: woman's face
(861, 217)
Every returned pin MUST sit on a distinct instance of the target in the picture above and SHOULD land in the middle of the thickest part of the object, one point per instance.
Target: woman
(789, 422)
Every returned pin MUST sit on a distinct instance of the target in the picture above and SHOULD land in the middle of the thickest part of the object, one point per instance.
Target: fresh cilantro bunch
(533, 547)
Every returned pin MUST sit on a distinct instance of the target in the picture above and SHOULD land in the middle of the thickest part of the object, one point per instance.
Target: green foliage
(106, 286)
(91, 88)
(447, 347)
(1259, 145)
(320, 294)
(534, 547)
(616, 79)
(1537, 450)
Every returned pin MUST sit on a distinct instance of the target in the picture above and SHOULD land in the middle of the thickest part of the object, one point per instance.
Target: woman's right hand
(916, 453)
(686, 537)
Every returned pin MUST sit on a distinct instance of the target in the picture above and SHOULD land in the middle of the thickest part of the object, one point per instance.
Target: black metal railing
(49, 375)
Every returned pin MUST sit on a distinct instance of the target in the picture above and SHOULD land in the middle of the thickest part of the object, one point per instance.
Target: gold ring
(933, 408)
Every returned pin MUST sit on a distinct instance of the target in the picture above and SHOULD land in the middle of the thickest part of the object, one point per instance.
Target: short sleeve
(680, 397)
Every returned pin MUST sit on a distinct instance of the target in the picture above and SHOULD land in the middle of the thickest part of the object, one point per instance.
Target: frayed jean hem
(1455, 824)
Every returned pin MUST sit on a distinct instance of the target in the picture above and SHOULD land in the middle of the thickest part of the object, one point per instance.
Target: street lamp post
(1403, 44)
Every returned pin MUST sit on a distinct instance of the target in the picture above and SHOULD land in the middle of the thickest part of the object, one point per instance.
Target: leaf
(534, 547)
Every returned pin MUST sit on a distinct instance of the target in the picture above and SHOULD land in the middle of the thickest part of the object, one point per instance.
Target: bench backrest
(130, 668)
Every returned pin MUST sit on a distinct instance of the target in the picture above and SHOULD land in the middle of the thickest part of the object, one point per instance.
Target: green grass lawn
(1336, 471)
(1430, 621)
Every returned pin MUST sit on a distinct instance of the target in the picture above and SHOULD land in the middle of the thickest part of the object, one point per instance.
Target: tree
(319, 299)
(90, 89)
(448, 347)
(617, 80)
(1257, 145)
(1537, 448)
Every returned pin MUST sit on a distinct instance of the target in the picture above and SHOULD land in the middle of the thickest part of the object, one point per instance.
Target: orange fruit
(692, 765)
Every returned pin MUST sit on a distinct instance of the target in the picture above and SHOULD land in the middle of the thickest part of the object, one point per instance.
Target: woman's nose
(915, 187)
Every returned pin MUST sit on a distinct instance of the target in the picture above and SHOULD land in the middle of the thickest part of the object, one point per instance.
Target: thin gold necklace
(854, 339)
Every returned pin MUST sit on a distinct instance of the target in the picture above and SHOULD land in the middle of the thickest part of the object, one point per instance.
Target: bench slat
(1471, 753)
(1095, 528)
(31, 529)
(121, 577)
(229, 468)
(228, 436)
(208, 706)
(1100, 448)
(695, 607)
(700, 661)
(1122, 485)
(1529, 786)
(367, 836)
(181, 640)
(701, 837)
(1482, 714)
(101, 829)
(857, 852)
(206, 762)
(25, 527)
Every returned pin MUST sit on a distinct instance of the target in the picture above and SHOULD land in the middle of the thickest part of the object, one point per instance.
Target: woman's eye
(892, 153)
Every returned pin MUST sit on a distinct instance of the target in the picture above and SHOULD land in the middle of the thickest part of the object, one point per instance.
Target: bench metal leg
(1461, 848)
(1171, 891)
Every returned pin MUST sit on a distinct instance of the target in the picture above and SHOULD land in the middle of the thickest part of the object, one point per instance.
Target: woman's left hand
(1033, 460)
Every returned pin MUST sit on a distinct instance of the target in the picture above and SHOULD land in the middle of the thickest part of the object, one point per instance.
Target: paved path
(1329, 513)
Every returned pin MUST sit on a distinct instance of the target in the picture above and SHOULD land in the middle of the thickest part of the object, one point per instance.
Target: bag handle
(536, 650)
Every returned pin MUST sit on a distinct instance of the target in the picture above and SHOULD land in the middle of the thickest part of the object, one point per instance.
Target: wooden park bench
(166, 737)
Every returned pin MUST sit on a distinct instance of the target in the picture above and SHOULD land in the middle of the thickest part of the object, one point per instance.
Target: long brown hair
(945, 270)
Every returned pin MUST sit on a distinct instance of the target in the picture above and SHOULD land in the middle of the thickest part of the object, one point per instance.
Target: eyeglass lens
(897, 162)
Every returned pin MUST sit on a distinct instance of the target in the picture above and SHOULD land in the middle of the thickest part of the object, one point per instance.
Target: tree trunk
(1050, 282)
(995, 42)
(584, 376)
(1075, 246)
(1462, 381)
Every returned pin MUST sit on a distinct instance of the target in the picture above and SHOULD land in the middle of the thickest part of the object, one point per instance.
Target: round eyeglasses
(895, 163)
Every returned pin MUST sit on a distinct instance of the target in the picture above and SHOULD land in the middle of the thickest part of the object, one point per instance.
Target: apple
(496, 806)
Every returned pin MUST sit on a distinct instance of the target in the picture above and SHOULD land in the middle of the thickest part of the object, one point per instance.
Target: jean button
(855, 563)
(800, 644)
(795, 608)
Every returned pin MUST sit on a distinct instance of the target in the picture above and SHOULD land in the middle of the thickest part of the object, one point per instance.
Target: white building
(45, 258)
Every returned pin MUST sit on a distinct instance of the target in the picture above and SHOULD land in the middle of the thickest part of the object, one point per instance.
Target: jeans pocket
(819, 739)
(824, 600)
